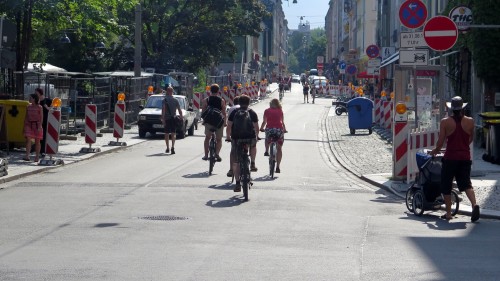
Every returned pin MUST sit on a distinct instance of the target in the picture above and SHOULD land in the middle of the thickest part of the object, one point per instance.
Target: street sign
(413, 13)
(373, 63)
(342, 65)
(414, 57)
(320, 59)
(412, 40)
(440, 33)
(372, 70)
(372, 51)
(387, 52)
(351, 69)
(462, 17)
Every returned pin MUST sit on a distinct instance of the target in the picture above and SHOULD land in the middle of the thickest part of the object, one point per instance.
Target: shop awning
(365, 75)
(393, 58)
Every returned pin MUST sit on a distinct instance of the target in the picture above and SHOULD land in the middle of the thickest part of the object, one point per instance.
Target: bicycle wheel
(455, 202)
(409, 198)
(418, 203)
(272, 161)
(245, 174)
(211, 151)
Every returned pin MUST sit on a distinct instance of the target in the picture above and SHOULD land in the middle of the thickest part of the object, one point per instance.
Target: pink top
(274, 118)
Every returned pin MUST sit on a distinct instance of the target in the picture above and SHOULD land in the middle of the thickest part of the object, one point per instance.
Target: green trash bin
(486, 116)
(14, 114)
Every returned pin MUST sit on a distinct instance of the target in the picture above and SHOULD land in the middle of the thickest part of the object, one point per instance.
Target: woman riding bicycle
(274, 125)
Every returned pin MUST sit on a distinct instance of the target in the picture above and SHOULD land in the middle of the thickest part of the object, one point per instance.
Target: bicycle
(243, 148)
(273, 150)
(212, 145)
(281, 94)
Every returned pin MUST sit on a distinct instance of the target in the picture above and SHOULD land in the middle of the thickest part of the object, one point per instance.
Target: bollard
(52, 139)
(119, 121)
(90, 129)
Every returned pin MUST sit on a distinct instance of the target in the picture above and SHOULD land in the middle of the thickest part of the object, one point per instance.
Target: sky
(313, 11)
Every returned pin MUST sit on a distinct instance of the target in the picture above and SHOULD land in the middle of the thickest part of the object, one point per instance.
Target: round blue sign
(372, 51)
(342, 65)
(351, 69)
(413, 13)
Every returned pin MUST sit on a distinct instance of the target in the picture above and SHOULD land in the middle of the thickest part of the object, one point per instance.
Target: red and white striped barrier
(417, 140)
(262, 90)
(383, 106)
(119, 123)
(90, 128)
(376, 111)
(52, 137)
(388, 116)
(196, 101)
(400, 149)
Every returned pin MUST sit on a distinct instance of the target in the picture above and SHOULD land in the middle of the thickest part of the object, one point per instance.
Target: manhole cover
(163, 218)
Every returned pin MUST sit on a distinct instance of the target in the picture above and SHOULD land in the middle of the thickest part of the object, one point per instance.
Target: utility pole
(138, 42)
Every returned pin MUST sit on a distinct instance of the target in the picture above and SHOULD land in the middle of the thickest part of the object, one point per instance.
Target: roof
(120, 73)
(44, 67)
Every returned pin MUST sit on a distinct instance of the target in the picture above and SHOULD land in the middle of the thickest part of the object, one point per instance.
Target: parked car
(149, 116)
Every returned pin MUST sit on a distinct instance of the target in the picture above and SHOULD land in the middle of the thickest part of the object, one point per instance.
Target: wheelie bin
(360, 114)
(487, 116)
(14, 114)
(492, 141)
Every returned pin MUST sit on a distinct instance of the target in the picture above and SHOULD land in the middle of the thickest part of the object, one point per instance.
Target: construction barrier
(418, 139)
(119, 123)
(400, 142)
(377, 111)
(52, 135)
(388, 116)
(90, 128)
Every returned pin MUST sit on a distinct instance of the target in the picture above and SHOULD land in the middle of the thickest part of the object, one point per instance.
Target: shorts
(234, 146)
(305, 93)
(218, 132)
(458, 169)
(276, 133)
(169, 127)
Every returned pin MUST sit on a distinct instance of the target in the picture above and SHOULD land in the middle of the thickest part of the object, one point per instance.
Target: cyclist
(215, 101)
(242, 131)
(281, 87)
(274, 125)
(236, 105)
(169, 106)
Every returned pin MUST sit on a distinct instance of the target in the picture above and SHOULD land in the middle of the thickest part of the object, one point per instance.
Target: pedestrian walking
(45, 103)
(169, 106)
(458, 132)
(305, 91)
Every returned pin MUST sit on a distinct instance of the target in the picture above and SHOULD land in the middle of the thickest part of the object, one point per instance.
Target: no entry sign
(413, 13)
(440, 33)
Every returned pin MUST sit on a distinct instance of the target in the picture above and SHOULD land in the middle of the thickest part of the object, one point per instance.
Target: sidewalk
(69, 151)
(370, 158)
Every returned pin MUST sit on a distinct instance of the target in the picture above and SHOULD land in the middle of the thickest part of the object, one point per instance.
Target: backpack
(213, 116)
(242, 125)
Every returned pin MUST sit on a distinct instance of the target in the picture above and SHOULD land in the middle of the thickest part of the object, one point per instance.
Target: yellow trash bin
(14, 114)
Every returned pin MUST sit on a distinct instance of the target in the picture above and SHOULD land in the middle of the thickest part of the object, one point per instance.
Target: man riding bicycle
(218, 103)
(243, 124)
(281, 87)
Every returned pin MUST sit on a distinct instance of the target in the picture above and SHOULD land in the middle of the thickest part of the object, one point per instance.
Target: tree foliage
(181, 34)
(304, 49)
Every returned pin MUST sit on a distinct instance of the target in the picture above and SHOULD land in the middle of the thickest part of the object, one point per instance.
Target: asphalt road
(140, 214)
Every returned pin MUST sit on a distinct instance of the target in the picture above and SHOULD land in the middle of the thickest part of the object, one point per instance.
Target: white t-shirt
(232, 108)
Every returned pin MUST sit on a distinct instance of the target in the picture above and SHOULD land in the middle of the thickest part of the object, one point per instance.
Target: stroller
(424, 194)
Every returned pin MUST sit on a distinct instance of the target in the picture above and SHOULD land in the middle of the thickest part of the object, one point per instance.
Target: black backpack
(242, 125)
(213, 116)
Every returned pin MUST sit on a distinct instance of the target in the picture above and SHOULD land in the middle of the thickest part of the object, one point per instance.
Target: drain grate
(164, 218)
